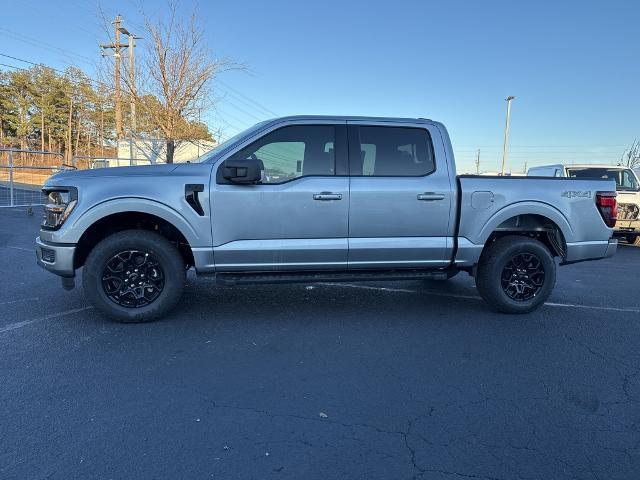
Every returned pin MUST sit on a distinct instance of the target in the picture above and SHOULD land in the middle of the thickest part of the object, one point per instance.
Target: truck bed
(487, 202)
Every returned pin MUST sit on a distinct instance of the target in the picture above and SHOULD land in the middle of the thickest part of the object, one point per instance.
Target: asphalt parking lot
(361, 381)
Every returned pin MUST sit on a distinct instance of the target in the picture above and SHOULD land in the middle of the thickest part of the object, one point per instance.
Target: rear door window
(390, 151)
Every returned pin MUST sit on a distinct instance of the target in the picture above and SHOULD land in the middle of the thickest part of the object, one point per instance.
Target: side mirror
(243, 171)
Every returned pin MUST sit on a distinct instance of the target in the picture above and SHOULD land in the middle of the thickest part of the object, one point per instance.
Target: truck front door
(297, 217)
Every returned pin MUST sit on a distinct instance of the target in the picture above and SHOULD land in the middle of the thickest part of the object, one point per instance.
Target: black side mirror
(243, 171)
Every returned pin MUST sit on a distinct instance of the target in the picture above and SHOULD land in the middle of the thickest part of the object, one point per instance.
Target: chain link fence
(24, 172)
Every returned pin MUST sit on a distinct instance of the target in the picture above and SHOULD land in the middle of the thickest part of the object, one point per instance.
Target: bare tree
(631, 156)
(176, 75)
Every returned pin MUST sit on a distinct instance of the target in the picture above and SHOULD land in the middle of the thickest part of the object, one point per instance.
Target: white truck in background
(627, 186)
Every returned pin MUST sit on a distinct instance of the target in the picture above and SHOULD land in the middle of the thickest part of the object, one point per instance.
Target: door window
(293, 152)
(391, 151)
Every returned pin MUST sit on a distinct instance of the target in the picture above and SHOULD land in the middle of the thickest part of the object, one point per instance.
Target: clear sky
(572, 65)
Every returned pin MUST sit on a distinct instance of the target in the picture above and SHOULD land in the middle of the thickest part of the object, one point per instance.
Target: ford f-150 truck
(318, 198)
(627, 185)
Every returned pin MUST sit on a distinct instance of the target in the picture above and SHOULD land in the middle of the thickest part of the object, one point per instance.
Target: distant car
(627, 186)
(308, 199)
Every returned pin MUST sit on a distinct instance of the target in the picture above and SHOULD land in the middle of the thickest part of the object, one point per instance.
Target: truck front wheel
(134, 276)
(516, 274)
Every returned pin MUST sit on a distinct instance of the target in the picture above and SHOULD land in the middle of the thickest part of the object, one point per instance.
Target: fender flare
(526, 208)
(131, 204)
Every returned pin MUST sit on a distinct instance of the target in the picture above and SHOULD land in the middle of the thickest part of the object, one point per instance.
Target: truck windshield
(229, 143)
(624, 177)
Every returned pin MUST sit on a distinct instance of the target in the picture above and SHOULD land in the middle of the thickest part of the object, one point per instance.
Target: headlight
(60, 203)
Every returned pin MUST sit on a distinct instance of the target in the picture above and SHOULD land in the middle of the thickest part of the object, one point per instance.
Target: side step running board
(314, 277)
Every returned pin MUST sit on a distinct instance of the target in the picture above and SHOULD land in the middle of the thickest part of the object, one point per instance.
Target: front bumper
(56, 257)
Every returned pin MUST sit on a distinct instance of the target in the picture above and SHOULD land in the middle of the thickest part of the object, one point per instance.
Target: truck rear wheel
(134, 276)
(516, 274)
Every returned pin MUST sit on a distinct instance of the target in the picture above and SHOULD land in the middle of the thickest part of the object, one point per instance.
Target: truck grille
(628, 211)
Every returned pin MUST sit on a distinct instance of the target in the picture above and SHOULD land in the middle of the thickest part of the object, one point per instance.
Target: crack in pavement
(406, 436)
(614, 363)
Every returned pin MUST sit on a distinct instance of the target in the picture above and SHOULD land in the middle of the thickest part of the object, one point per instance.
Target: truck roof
(351, 117)
(579, 165)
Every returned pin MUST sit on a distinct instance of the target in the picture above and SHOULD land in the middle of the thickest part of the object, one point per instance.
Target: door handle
(430, 196)
(327, 196)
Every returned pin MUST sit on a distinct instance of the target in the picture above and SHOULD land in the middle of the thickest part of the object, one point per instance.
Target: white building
(151, 151)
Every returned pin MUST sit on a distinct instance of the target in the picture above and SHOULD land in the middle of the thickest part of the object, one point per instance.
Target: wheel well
(534, 226)
(127, 221)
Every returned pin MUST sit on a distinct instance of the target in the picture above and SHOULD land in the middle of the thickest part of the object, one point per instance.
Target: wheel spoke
(522, 277)
(133, 278)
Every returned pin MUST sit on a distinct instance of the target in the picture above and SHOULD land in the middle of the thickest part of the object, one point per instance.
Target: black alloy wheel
(133, 278)
(516, 273)
(523, 277)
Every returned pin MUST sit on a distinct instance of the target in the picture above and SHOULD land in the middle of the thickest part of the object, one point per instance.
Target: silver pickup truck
(318, 198)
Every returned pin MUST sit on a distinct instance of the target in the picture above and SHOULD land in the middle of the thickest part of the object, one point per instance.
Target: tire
(514, 264)
(154, 285)
(633, 240)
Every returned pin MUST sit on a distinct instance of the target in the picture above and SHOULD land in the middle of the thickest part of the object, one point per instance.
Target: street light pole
(505, 148)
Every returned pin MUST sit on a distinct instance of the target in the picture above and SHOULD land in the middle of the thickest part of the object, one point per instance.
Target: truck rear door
(400, 196)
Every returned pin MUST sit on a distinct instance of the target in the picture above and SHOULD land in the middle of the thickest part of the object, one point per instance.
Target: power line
(34, 41)
(62, 72)
(227, 114)
(13, 66)
(112, 88)
(256, 103)
(228, 101)
(245, 104)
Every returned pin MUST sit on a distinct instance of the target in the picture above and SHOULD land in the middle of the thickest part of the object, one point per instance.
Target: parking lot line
(594, 307)
(24, 323)
(475, 297)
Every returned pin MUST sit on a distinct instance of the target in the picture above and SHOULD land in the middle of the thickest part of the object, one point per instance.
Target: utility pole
(132, 88)
(132, 80)
(132, 75)
(132, 94)
(117, 48)
(118, 58)
(478, 162)
(505, 148)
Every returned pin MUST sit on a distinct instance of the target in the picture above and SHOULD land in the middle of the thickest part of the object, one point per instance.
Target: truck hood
(68, 177)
